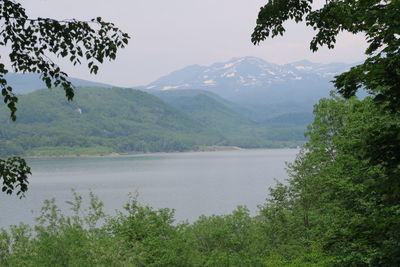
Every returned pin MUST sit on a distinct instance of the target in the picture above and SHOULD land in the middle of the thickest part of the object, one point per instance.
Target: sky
(169, 35)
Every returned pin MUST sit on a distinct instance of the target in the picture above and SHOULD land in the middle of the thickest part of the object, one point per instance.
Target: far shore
(115, 154)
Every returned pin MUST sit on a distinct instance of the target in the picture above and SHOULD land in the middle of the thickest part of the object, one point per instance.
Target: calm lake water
(192, 183)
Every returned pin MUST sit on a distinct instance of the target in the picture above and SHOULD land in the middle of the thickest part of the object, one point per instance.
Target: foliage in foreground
(141, 236)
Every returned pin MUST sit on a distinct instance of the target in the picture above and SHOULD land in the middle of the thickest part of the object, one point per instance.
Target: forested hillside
(99, 121)
(103, 120)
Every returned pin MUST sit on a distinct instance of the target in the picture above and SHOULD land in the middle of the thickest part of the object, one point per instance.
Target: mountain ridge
(24, 83)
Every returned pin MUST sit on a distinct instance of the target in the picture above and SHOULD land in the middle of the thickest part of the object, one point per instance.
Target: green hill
(98, 121)
(101, 121)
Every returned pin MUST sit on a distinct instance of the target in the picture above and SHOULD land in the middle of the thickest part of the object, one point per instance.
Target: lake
(193, 183)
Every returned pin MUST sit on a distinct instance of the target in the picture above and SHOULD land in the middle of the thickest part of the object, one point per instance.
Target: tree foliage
(142, 236)
(34, 42)
(14, 173)
(377, 20)
(343, 193)
(345, 184)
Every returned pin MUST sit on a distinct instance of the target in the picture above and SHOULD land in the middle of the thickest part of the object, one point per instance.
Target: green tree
(377, 20)
(346, 183)
(342, 198)
(351, 188)
(32, 43)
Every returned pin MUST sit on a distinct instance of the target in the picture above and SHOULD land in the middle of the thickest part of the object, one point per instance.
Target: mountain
(264, 89)
(238, 78)
(29, 82)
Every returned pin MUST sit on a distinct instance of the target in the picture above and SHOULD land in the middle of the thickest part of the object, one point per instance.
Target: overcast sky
(170, 34)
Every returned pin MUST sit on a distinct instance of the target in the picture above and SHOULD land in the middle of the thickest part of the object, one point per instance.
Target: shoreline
(115, 154)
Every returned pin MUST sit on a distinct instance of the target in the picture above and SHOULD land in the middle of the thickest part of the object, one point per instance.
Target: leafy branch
(377, 20)
(32, 41)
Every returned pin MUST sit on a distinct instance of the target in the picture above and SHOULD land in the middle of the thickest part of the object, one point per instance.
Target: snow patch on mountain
(169, 87)
(228, 65)
(303, 68)
(209, 82)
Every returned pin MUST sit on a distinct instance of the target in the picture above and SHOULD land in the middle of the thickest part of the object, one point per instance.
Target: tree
(344, 192)
(376, 19)
(33, 42)
(346, 183)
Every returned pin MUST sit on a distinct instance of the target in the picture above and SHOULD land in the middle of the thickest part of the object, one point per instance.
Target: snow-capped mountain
(251, 80)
